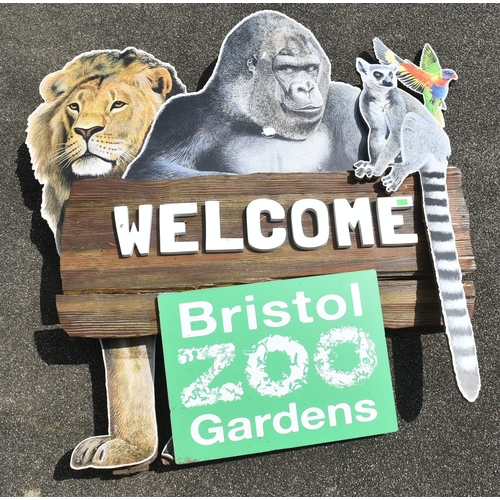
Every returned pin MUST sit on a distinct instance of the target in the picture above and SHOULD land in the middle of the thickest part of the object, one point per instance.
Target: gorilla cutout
(269, 107)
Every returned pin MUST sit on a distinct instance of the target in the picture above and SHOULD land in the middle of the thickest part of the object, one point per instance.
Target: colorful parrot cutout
(429, 79)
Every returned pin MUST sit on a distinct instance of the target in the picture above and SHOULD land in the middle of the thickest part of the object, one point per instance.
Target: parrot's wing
(383, 53)
(429, 100)
(429, 61)
(412, 76)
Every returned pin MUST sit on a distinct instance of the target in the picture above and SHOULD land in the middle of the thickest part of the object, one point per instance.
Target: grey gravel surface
(52, 387)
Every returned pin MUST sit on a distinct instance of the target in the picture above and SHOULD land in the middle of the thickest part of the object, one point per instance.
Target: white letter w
(128, 237)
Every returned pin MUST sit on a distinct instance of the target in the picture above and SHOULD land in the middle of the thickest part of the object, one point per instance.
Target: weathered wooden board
(405, 303)
(90, 260)
(99, 279)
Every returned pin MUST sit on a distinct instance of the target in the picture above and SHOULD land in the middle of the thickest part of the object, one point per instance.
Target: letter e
(387, 221)
(292, 415)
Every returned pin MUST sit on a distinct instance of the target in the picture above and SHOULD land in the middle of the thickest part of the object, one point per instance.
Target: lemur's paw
(363, 169)
(393, 180)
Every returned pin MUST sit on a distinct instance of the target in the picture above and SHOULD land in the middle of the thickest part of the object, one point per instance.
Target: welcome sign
(265, 366)
(276, 365)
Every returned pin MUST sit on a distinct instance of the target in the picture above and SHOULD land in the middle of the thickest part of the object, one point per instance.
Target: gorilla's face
(289, 85)
(297, 87)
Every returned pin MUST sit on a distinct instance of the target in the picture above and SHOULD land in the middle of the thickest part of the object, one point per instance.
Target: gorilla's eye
(251, 62)
(311, 69)
(74, 106)
(288, 70)
(118, 104)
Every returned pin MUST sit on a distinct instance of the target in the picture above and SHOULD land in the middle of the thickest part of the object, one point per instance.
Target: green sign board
(281, 364)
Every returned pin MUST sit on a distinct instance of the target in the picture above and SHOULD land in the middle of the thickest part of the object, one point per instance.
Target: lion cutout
(97, 112)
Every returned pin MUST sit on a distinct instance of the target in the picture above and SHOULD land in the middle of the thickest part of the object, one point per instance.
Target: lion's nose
(87, 133)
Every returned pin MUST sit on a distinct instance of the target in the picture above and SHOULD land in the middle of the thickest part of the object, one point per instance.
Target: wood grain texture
(405, 303)
(108, 295)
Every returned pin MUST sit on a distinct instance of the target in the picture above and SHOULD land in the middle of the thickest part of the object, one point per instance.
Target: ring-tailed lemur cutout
(406, 138)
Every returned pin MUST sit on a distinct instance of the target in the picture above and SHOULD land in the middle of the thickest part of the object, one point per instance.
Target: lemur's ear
(362, 66)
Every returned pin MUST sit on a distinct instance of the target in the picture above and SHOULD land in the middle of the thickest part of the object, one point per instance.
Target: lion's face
(106, 125)
(96, 115)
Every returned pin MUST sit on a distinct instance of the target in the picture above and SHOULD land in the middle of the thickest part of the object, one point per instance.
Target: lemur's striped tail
(449, 280)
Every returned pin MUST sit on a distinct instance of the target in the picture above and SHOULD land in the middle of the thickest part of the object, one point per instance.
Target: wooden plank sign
(202, 243)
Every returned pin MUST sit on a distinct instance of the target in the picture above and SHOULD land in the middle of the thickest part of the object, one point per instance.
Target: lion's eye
(74, 106)
(118, 104)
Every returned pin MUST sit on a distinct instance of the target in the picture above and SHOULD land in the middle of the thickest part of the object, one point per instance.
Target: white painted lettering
(256, 240)
(346, 218)
(365, 348)
(291, 416)
(360, 407)
(341, 307)
(200, 392)
(268, 310)
(130, 237)
(259, 424)
(332, 413)
(387, 221)
(217, 433)
(301, 302)
(205, 317)
(227, 317)
(241, 431)
(256, 366)
(310, 416)
(213, 240)
(356, 300)
(320, 211)
(251, 314)
(169, 228)
(283, 422)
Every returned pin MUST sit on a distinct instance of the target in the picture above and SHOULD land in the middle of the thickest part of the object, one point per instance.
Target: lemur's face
(379, 75)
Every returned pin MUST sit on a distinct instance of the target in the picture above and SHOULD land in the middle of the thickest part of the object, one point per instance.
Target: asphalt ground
(52, 392)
